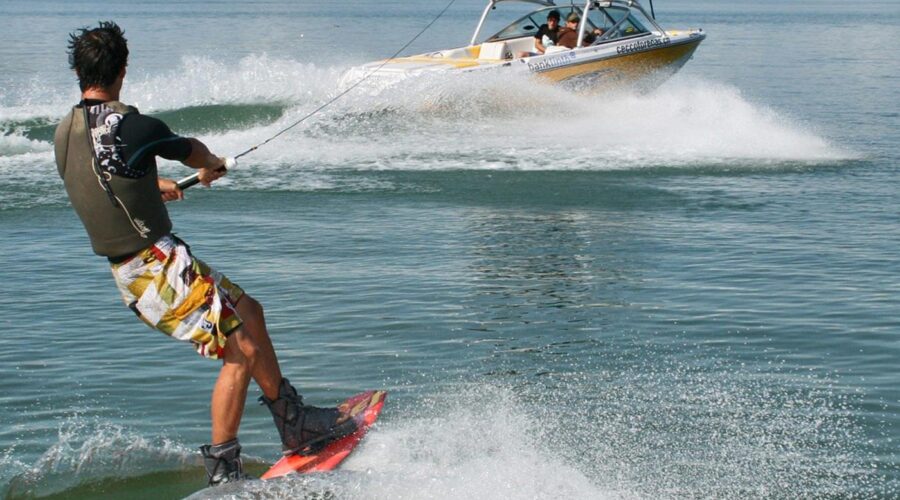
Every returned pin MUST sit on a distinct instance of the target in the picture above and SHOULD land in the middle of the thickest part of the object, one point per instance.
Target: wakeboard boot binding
(223, 462)
(305, 429)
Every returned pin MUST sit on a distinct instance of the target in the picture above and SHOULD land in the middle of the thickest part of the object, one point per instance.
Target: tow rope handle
(194, 179)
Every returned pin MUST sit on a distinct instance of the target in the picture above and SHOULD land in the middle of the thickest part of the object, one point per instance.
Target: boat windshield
(528, 25)
(616, 22)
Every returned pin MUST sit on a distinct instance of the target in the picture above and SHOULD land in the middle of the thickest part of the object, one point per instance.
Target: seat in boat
(506, 49)
(495, 50)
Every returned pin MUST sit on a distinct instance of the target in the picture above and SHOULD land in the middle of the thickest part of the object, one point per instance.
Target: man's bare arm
(211, 166)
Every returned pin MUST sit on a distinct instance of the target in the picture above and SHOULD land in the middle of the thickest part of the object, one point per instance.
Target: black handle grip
(188, 181)
(193, 180)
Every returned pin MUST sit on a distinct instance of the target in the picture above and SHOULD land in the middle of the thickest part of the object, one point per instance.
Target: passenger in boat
(568, 36)
(546, 35)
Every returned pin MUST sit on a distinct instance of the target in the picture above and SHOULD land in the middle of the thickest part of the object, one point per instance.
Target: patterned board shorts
(179, 295)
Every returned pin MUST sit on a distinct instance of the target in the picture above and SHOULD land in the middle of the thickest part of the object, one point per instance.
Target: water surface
(689, 293)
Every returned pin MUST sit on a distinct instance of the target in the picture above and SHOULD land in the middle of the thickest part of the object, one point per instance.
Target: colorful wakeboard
(364, 409)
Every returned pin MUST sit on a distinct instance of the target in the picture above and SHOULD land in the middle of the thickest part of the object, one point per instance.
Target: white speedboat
(632, 48)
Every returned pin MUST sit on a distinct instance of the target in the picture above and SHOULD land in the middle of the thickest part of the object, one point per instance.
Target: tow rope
(231, 162)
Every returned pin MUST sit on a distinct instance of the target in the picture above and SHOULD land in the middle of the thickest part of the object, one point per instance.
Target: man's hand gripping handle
(195, 178)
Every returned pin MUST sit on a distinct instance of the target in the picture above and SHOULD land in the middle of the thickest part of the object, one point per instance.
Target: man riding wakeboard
(106, 155)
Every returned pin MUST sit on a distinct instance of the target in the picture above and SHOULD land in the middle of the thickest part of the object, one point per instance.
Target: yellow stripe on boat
(455, 62)
(631, 66)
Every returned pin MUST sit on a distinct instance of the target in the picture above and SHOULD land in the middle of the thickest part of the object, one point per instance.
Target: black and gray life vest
(120, 206)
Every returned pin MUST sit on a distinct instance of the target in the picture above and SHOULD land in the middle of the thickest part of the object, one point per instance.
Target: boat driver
(106, 155)
(568, 36)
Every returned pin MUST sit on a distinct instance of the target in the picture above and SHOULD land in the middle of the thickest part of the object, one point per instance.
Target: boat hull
(642, 63)
(647, 68)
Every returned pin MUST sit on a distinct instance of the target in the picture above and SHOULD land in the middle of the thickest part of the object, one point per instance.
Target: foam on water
(488, 122)
(469, 443)
(256, 79)
(484, 122)
(87, 449)
(17, 145)
(621, 429)
(193, 81)
(476, 442)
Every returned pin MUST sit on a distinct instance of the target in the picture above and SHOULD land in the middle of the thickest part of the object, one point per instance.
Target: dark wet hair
(553, 13)
(98, 55)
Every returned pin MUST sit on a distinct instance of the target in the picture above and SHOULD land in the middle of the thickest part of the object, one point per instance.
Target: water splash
(253, 79)
(474, 122)
(475, 442)
(620, 429)
(87, 449)
(488, 122)
(672, 431)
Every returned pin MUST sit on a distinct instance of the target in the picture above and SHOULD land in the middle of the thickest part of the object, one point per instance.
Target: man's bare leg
(230, 391)
(248, 352)
(266, 371)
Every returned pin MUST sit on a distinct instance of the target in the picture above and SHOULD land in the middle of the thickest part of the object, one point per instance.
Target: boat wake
(474, 122)
(687, 122)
